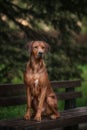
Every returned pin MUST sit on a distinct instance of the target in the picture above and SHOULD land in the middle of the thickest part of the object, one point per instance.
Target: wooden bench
(14, 94)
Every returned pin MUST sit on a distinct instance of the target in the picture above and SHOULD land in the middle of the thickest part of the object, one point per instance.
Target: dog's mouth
(40, 55)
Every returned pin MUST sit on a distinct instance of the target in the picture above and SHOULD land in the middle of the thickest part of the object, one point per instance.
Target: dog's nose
(40, 53)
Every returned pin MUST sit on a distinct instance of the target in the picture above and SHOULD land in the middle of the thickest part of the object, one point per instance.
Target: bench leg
(75, 127)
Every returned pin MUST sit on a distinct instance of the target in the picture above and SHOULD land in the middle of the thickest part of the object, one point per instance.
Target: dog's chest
(36, 82)
(36, 79)
(36, 87)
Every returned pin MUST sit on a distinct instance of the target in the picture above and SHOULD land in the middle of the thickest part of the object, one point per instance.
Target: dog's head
(38, 48)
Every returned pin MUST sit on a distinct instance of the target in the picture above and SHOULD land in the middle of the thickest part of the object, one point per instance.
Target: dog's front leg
(40, 105)
(28, 111)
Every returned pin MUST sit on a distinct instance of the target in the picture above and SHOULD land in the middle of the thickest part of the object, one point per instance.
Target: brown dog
(40, 96)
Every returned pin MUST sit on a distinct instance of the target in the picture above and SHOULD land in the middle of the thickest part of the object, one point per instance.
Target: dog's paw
(27, 116)
(37, 118)
(55, 116)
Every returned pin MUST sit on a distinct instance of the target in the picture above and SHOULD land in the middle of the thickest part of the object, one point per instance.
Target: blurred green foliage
(22, 21)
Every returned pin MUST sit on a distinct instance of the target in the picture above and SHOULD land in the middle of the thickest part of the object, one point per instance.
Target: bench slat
(66, 84)
(16, 89)
(11, 89)
(12, 101)
(69, 95)
(18, 100)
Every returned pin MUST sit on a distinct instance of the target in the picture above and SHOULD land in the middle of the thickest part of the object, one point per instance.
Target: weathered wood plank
(11, 89)
(68, 118)
(12, 101)
(66, 84)
(18, 100)
(17, 89)
(69, 95)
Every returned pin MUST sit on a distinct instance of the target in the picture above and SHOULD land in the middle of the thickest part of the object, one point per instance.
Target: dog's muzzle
(40, 54)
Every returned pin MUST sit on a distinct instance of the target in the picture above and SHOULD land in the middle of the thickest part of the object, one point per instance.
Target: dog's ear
(29, 46)
(47, 47)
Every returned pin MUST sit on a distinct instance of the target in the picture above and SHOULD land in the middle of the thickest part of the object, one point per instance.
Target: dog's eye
(36, 47)
(43, 47)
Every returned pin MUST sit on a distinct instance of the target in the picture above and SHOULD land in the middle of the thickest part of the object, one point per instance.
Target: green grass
(83, 101)
(12, 111)
(18, 111)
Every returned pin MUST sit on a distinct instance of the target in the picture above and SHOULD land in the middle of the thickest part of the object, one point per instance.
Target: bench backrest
(15, 94)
